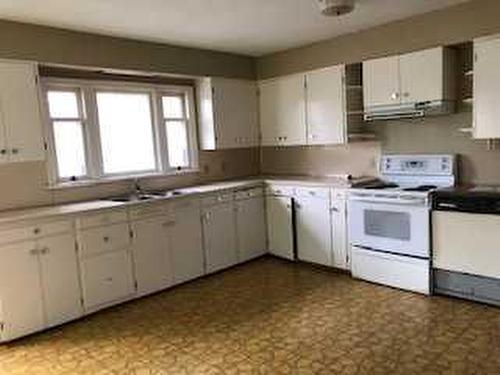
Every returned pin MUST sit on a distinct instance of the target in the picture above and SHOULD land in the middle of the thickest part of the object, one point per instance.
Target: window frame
(87, 103)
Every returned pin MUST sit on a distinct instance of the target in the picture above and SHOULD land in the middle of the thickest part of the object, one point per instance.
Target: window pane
(126, 132)
(63, 104)
(70, 150)
(178, 152)
(173, 106)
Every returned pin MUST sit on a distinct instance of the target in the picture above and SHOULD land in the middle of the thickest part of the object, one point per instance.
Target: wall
(25, 184)
(435, 135)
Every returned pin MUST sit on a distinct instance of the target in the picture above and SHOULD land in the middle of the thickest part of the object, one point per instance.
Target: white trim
(89, 118)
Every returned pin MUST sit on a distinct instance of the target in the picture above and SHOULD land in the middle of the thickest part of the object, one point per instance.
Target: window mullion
(93, 144)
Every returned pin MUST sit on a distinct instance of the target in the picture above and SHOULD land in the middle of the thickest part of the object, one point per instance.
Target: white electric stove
(389, 221)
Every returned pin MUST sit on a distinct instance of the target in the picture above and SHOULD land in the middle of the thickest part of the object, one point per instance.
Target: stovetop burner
(423, 188)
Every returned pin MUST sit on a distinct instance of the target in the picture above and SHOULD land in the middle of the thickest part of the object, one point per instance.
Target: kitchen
(273, 174)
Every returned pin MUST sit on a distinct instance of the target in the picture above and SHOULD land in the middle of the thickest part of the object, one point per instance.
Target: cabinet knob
(44, 251)
(15, 151)
(3, 151)
(394, 96)
(36, 231)
(105, 239)
(406, 94)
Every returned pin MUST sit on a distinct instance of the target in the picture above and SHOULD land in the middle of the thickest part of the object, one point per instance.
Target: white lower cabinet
(187, 249)
(152, 248)
(39, 285)
(279, 210)
(251, 227)
(60, 284)
(106, 279)
(21, 304)
(313, 228)
(340, 245)
(219, 234)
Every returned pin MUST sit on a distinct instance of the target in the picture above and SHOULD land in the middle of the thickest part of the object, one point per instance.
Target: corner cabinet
(321, 107)
(283, 111)
(486, 97)
(20, 120)
(228, 111)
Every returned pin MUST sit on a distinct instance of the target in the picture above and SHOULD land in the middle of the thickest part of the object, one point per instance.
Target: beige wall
(25, 184)
(454, 25)
(447, 26)
(47, 44)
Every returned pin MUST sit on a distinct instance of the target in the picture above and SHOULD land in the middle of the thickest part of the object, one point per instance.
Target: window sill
(114, 179)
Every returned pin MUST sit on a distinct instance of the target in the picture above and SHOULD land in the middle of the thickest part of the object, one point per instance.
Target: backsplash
(357, 159)
(25, 184)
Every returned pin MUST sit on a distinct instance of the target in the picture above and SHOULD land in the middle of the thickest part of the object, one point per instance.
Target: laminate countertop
(42, 212)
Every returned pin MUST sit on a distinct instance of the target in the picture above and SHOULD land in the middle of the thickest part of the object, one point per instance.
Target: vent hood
(409, 111)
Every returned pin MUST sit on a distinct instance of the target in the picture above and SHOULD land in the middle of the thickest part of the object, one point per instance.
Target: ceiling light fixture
(336, 7)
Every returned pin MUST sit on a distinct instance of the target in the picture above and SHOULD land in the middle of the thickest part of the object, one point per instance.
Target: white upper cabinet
(326, 113)
(381, 83)
(486, 93)
(282, 111)
(423, 76)
(20, 120)
(228, 113)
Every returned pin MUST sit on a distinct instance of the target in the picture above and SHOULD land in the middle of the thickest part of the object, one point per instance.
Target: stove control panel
(428, 165)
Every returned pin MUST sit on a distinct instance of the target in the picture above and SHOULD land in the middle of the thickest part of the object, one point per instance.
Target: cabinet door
(486, 83)
(187, 249)
(381, 82)
(4, 155)
(339, 234)
(325, 106)
(152, 254)
(21, 306)
(20, 111)
(313, 230)
(219, 237)
(235, 112)
(61, 287)
(422, 75)
(282, 111)
(106, 279)
(280, 226)
(251, 229)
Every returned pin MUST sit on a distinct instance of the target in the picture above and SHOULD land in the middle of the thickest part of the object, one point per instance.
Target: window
(102, 130)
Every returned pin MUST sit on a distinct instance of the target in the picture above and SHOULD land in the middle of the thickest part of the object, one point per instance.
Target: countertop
(34, 213)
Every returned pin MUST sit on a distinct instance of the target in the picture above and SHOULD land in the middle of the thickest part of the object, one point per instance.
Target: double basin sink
(138, 197)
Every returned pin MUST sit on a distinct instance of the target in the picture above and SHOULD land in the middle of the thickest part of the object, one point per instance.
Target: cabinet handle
(36, 231)
(105, 239)
(3, 151)
(334, 209)
(406, 94)
(15, 151)
(394, 96)
(44, 251)
(108, 279)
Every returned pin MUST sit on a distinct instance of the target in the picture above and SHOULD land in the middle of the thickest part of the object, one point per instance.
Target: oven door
(396, 227)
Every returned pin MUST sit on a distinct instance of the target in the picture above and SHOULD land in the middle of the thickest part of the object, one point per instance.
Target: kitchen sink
(134, 198)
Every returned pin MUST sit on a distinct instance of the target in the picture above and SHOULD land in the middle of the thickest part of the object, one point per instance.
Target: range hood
(409, 111)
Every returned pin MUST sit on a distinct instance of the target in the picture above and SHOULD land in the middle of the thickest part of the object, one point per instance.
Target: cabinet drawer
(106, 278)
(100, 240)
(34, 230)
(285, 190)
(313, 192)
(102, 218)
(148, 210)
(339, 194)
(249, 193)
(219, 198)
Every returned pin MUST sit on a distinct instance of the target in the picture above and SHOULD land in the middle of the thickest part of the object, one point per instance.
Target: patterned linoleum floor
(270, 317)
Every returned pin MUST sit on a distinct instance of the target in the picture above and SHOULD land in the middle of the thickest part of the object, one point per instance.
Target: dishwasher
(466, 243)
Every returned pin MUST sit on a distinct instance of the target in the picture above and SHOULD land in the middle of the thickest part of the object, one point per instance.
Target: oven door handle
(398, 202)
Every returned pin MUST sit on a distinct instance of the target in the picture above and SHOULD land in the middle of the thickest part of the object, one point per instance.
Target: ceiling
(251, 27)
